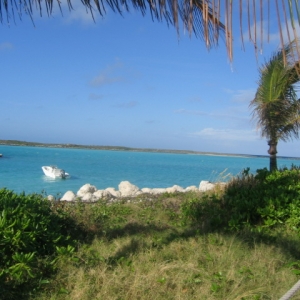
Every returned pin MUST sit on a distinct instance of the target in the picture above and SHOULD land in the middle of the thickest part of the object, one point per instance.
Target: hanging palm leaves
(207, 19)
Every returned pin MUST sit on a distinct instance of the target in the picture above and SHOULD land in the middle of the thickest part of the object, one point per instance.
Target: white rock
(127, 189)
(50, 198)
(68, 196)
(87, 188)
(146, 190)
(174, 188)
(113, 192)
(88, 197)
(99, 194)
(192, 188)
(206, 186)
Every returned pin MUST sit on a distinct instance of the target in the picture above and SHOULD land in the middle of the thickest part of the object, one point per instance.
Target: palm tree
(207, 19)
(276, 106)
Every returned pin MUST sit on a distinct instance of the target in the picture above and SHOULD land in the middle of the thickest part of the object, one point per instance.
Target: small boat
(54, 172)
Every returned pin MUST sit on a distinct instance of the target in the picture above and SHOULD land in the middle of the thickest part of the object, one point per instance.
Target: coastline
(122, 148)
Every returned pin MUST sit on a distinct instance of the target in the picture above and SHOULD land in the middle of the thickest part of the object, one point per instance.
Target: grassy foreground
(237, 242)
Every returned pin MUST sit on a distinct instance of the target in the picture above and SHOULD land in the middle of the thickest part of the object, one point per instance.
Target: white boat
(54, 172)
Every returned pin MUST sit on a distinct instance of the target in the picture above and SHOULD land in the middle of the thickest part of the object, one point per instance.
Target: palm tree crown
(276, 106)
(207, 19)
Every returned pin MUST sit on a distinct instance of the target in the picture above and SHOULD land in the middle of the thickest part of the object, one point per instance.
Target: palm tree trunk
(273, 158)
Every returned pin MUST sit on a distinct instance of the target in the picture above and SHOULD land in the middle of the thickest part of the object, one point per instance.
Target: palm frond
(207, 19)
(276, 107)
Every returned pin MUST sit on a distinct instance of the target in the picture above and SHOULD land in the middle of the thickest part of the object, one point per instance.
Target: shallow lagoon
(20, 168)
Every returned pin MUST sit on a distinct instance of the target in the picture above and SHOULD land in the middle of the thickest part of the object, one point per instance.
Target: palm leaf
(276, 107)
(207, 19)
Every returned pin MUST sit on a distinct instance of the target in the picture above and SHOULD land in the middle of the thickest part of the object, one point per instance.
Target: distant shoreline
(121, 148)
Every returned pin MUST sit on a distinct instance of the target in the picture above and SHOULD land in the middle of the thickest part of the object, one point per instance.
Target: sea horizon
(133, 149)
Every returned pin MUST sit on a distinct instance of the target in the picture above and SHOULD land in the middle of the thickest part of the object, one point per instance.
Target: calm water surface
(20, 168)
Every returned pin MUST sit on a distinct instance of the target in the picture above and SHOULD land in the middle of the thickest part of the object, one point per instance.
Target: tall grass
(212, 266)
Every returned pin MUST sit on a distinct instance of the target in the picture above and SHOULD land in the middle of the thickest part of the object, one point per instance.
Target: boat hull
(54, 172)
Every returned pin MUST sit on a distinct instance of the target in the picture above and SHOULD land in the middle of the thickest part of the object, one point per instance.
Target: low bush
(256, 201)
(31, 235)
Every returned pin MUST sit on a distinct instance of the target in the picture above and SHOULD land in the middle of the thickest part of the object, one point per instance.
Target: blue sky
(128, 81)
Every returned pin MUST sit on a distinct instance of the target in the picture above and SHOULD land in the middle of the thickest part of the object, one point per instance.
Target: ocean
(20, 168)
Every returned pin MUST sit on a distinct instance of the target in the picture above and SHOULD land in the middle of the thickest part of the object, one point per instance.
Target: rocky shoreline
(89, 193)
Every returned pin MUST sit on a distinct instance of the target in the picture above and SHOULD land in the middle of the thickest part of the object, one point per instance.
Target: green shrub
(204, 211)
(30, 234)
(265, 199)
(256, 201)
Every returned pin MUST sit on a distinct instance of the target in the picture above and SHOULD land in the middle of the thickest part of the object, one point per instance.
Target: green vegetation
(276, 105)
(240, 241)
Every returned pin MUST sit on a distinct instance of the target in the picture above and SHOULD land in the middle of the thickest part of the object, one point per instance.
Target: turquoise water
(20, 168)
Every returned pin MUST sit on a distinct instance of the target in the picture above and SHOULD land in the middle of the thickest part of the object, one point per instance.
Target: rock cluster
(89, 193)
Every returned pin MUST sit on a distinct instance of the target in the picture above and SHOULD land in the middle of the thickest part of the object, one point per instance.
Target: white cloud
(227, 134)
(263, 35)
(261, 32)
(103, 79)
(288, 31)
(242, 96)
(109, 75)
(77, 13)
(233, 113)
(82, 14)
